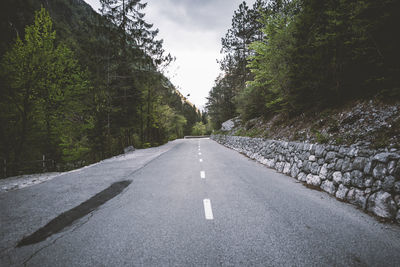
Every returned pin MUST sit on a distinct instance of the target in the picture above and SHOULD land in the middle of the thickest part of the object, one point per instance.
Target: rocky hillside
(371, 124)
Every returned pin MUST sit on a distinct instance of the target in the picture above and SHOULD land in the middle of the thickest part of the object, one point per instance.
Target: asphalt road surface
(197, 203)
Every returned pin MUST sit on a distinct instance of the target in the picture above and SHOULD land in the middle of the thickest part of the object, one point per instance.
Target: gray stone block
(302, 177)
(386, 156)
(319, 150)
(330, 156)
(391, 167)
(346, 165)
(397, 187)
(314, 168)
(294, 171)
(379, 172)
(313, 180)
(323, 172)
(357, 179)
(388, 183)
(346, 179)
(129, 149)
(337, 177)
(382, 204)
(338, 164)
(359, 163)
(341, 192)
(329, 187)
(357, 197)
(368, 167)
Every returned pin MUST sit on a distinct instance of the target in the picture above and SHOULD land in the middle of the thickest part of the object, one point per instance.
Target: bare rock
(388, 183)
(337, 177)
(398, 216)
(228, 125)
(302, 177)
(294, 171)
(382, 204)
(342, 192)
(397, 187)
(338, 165)
(330, 156)
(346, 179)
(319, 150)
(314, 168)
(329, 187)
(357, 179)
(286, 168)
(359, 163)
(386, 156)
(313, 180)
(129, 149)
(379, 171)
(357, 197)
(323, 172)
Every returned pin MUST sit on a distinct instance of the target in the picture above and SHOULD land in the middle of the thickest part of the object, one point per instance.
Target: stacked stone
(364, 177)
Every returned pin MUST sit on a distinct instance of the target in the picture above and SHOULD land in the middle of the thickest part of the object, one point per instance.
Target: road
(197, 203)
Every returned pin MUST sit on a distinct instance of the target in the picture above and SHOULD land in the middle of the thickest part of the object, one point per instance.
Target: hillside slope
(366, 123)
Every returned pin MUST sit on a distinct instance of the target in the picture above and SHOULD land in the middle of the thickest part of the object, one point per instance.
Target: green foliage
(199, 129)
(253, 132)
(146, 145)
(228, 89)
(220, 105)
(49, 105)
(321, 138)
(45, 85)
(311, 55)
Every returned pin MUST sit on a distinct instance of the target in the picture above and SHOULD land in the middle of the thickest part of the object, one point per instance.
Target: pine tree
(44, 83)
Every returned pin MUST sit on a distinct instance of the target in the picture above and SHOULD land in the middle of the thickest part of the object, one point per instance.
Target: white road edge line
(207, 209)
(202, 175)
(201, 160)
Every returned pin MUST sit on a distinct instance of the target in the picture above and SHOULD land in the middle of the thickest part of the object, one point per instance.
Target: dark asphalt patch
(67, 218)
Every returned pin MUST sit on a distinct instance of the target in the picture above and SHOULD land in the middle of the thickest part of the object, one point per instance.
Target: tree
(270, 64)
(246, 28)
(199, 129)
(220, 102)
(44, 84)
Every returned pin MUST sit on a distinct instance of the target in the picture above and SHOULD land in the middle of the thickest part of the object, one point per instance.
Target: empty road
(194, 203)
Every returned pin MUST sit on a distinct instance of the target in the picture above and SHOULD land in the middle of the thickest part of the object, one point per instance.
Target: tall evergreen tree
(43, 83)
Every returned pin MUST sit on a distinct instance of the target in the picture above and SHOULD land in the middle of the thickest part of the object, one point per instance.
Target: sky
(192, 32)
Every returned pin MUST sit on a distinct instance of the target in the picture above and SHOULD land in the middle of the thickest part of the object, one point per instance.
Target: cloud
(197, 14)
(192, 31)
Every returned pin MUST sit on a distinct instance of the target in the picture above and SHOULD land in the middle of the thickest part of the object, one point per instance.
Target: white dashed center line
(202, 175)
(207, 209)
(199, 153)
(201, 160)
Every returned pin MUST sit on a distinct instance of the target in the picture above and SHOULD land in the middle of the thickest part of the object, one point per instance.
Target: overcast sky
(192, 31)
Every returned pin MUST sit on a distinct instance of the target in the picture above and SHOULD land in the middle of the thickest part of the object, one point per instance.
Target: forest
(295, 56)
(77, 86)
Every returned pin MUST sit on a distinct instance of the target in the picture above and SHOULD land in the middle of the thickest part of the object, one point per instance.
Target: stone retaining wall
(369, 179)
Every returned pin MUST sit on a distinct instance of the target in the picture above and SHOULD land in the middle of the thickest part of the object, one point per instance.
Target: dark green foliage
(220, 105)
(118, 97)
(224, 96)
(313, 55)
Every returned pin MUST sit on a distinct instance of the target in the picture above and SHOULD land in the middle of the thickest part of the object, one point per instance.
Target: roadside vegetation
(77, 86)
(289, 60)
